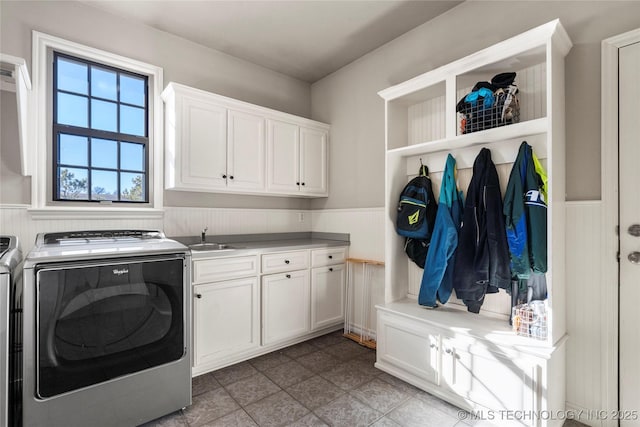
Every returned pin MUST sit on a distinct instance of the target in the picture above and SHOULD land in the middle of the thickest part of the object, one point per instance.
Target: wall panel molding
(585, 375)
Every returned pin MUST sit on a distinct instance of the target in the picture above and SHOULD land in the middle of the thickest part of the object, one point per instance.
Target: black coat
(482, 259)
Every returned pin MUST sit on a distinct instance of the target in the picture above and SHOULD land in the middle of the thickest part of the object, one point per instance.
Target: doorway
(621, 209)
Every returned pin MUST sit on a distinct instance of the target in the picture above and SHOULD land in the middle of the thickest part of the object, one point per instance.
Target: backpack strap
(424, 170)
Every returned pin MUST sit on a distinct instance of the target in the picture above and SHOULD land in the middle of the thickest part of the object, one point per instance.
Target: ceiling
(301, 38)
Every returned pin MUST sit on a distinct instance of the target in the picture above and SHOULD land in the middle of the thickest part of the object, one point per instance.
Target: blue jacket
(437, 279)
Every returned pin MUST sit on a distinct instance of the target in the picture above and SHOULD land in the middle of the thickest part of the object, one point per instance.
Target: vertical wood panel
(583, 267)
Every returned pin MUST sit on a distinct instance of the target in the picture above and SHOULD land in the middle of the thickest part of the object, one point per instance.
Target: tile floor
(326, 381)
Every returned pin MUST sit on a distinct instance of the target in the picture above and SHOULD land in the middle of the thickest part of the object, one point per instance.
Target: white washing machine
(10, 330)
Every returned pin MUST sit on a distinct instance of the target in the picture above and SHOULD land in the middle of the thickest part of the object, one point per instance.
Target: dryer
(107, 328)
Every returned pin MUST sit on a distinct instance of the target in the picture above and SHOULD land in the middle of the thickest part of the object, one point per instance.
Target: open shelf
(504, 133)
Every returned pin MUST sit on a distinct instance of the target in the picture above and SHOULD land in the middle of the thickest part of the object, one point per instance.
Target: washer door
(100, 321)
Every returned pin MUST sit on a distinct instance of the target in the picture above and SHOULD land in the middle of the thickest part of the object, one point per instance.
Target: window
(99, 132)
(97, 143)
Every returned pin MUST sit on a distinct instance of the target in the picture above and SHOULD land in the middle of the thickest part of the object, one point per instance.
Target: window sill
(65, 212)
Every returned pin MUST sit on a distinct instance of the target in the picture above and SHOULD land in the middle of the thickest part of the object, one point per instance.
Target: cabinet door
(285, 306)
(313, 161)
(283, 157)
(225, 319)
(202, 145)
(327, 296)
(408, 346)
(245, 151)
(487, 379)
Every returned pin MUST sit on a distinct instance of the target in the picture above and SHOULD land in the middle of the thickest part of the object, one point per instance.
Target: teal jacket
(525, 211)
(437, 278)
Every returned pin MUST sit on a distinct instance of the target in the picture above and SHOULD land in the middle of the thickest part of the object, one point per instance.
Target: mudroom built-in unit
(478, 361)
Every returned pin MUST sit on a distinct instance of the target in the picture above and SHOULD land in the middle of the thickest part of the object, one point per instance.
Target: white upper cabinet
(196, 149)
(297, 159)
(313, 161)
(283, 157)
(218, 144)
(245, 151)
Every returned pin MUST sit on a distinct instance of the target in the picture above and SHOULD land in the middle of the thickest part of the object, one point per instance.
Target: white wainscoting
(364, 225)
(15, 220)
(187, 221)
(584, 374)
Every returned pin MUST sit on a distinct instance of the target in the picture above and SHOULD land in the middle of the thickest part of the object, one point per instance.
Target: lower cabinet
(327, 295)
(487, 379)
(411, 348)
(285, 305)
(245, 306)
(501, 382)
(226, 319)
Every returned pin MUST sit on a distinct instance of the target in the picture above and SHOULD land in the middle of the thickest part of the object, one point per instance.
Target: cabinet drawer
(285, 261)
(320, 257)
(212, 270)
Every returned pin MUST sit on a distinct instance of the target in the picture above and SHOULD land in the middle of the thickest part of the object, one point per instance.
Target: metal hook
(424, 169)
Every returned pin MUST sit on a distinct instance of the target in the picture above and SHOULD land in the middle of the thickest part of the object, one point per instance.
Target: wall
(183, 61)
(348, 98)
(14, 188)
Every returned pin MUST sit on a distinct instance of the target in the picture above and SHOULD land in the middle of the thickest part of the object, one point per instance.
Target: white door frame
(610, 264)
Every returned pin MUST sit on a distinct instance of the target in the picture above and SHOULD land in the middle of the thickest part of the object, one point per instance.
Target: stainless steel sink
(211, 247)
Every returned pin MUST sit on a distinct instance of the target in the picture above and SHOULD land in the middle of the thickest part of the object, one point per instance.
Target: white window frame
(42, 176)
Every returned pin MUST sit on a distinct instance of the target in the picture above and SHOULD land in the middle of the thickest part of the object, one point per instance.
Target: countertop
(255, 244)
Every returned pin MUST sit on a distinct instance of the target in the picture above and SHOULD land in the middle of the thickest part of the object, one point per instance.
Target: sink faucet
(203, 235)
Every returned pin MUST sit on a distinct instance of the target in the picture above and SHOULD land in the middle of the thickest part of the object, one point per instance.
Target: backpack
(416, 217)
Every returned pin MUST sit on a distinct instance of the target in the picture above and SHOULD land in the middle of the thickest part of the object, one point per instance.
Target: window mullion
(90, 167)
(119, 174)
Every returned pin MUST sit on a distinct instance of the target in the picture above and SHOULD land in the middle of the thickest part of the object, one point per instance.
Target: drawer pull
(286, 261)
(198, 296)
(330, 256)
(288, 276)
(331, 269)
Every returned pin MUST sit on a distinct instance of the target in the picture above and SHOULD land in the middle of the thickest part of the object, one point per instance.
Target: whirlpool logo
(121, 271)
